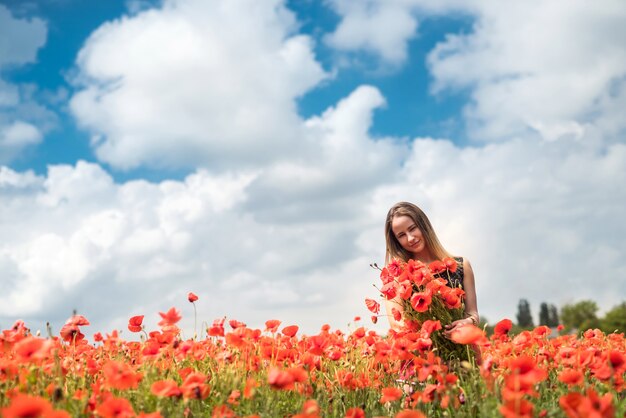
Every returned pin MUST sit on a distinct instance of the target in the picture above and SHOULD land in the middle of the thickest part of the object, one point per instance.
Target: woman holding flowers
(410, 236)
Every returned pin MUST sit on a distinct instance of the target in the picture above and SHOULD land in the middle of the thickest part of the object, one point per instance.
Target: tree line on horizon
(575, 317)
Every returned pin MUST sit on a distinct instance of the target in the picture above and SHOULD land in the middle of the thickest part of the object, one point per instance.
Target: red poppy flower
(250, 388)
(355, 413)
(421, 301)
(234, 396)
(290, 330)
(310, 407)
(71, 333)
(170, 317)
(78, 320)
(134, 323)
(422, 276)
(575, 404)
(372, 305)
(570, 403)
(394, 268)
(468, 334)
(223, 411)
(280, 379)
(437, 266)
(194, 386)
(517, 409)
(272, 325)
(120, 375)
(32, 348)
(404, 289)
(217, 329)
(385, 276)
(524, 374)
(451, 264)
(192, 297)
(397, 315)
(389, 290)
(165, 388)
(424, 343)
(617, 360)
(390, 394)
(600, 405)
(234, 324)
(115, 408)
(542, 330)
(571, 377)
(429, 326)
(25, 406)
(503, 327)
(451, 300)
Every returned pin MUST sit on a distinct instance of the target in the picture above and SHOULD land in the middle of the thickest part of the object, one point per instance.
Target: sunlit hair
(395, 250)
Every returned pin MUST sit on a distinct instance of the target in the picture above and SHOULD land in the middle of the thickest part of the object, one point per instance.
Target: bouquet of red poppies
(426, 303)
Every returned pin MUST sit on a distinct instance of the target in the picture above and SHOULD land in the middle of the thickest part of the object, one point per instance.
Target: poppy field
(237, 371)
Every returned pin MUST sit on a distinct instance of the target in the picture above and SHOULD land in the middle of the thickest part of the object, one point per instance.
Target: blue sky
(248, 151)
(411, 110)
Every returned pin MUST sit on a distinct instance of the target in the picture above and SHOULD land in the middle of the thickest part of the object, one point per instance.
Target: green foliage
(615, 319)
(548, 315)
(544, 314)
(524, 316)
(553, 316)
(581, 315)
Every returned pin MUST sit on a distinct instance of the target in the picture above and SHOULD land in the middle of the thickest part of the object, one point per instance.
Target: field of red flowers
(234, 370)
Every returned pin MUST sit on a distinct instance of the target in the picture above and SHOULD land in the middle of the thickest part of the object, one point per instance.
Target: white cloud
(384, 28)
(552, 75)
(380, 27)
(537, 219)
(532, 68)
(244, 235)
(15, 137)
(22, 119)
(343, 162)
(194, 83)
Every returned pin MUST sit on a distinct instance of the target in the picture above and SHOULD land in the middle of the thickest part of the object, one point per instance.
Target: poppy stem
(195, 321)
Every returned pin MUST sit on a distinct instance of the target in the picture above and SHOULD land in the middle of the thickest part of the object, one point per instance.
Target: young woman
(410, 235)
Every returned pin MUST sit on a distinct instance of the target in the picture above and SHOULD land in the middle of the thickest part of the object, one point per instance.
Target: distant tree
(581, 315)
(544, 314)
(524, 317)
(554, 317)
(615, 319)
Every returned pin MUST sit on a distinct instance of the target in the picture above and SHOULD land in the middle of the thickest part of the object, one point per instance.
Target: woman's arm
(471, 304)
(393, 303)
(389, 305)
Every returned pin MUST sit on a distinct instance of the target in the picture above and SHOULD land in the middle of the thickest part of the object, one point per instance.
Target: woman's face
(408, 235)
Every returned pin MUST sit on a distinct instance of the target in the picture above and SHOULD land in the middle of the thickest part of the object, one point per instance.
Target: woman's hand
(448, 329)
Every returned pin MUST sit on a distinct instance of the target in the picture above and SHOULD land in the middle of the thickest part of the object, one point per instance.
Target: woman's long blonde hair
(395, 250)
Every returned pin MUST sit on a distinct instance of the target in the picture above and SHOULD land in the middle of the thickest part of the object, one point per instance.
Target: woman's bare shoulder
(466, 262)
